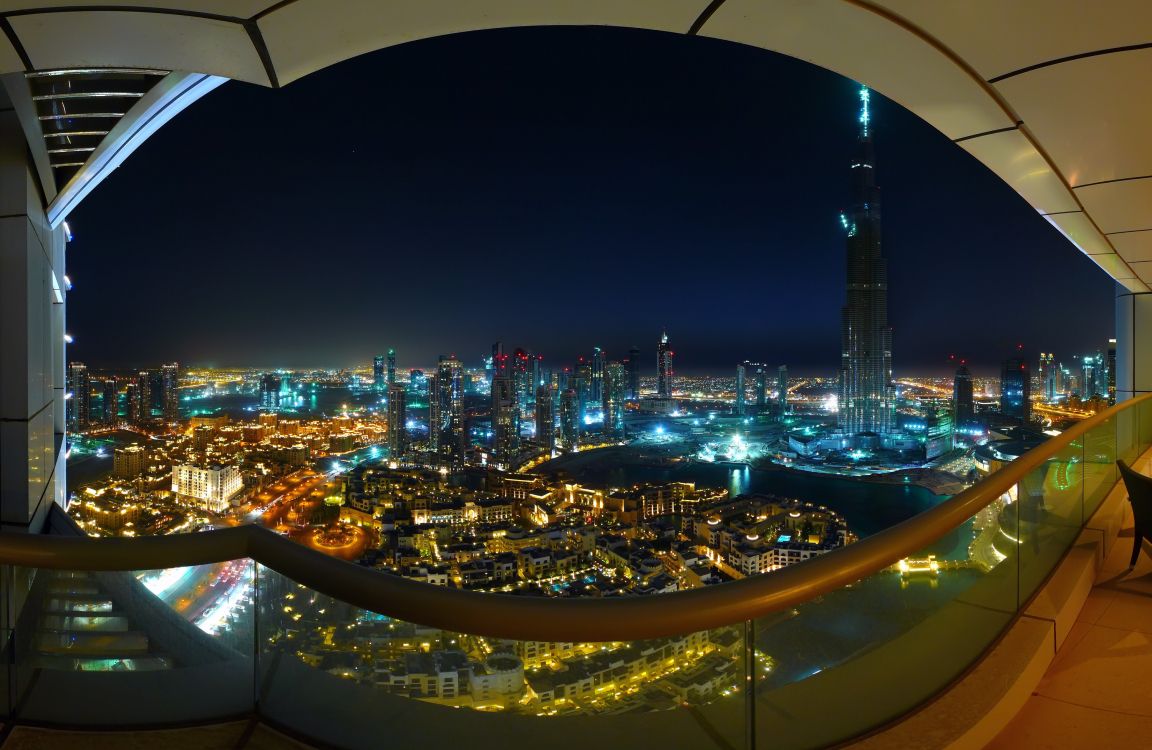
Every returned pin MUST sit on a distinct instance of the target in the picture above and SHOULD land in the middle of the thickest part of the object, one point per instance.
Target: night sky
(556, 189)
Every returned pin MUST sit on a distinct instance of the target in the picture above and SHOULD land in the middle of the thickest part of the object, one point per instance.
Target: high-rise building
(740, 407)
(132, 399)
(664, 372)
(596, 383)
(615, 394)
(144, 391)
(1094, 377)
(761, 388)
(963, 408)
(867, 397)
(397, 421)
(546, 418)
(581, 382)
(111, 403)
(270, 391)
(505, 417)
(1016, 389)
(446, 413)
(1111, 371)
(939, 433)
(570, 419)
(378, 382)
(391, 374)
(170, 395)
(79, 404)
(1047, 376)
(782, 389)
(522, 375)
(417, 387)
(634, 373)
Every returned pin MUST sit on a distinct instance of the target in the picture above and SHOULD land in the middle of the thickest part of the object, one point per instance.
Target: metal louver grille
(78, 108)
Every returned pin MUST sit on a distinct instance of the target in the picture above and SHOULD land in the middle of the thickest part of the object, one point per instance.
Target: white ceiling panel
(1012, 156)
(307, 35)
(1001, 36)
(1079, 230)
(866, 47)
(1135, 247)
(139, 40)
(1119, 206)
(1092, 116)
(1114, 265)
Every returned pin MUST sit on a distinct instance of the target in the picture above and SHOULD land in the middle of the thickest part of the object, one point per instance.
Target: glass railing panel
(150, 647)
(1051, 514)
(920, 624)
(1127, 435)
(1144, 425)
(1100, 473)
(351, 677)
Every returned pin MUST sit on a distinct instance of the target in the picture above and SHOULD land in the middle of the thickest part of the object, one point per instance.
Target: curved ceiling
(1049, 94)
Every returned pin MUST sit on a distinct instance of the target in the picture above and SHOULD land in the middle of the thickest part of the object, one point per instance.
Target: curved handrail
(545, 619)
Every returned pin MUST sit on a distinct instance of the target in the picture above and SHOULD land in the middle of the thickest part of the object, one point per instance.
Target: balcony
(959, 606)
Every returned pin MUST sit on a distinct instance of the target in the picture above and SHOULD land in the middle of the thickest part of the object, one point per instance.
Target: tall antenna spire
(865, 115)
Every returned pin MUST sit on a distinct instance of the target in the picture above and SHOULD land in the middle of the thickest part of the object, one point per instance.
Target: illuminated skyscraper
(397, 421)
(546, 418)
(111, 405)
(1016, 389)
(1047, 376)
(446, 413)
(136, 410)
(581, 382)
(664, 356)
(615, 394)
(79, 405)
(378, 381)
(1094, 377)
(505, 417)
(170, 395)
(761, 388)
(522, 375)
(740, 407)
(270, 391)
(144, 393)
(867, 397)
(782, 389)
(570, 419)
(963, 408)
(1111, 371)
(391, 375)
(596, 382)
(633, 373)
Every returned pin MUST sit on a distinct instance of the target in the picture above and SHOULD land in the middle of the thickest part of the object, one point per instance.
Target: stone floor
(1098, 691)
(237, 735)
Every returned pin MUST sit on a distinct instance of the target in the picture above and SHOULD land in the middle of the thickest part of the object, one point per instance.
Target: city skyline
(714, 199)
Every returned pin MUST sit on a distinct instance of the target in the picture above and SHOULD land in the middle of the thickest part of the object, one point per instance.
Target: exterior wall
(32, 382)
(1133, 343)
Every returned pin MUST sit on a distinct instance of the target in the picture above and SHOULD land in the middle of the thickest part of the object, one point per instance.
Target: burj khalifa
(867, 397)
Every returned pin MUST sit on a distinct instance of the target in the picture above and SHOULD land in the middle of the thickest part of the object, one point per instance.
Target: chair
(1140, 495)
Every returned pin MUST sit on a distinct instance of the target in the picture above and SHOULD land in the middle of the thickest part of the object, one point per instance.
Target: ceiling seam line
(257, 39)
(122, 9)
(704, 17)
(1109, 182)
(272, 9)
(1071, 58)
(1008, 129)
(1128, 231)
(17, 45)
